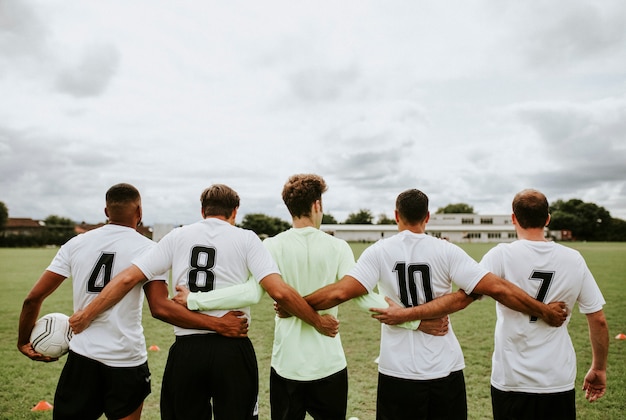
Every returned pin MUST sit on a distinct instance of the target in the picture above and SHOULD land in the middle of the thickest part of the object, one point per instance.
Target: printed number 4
(545, 277)
(100, 273)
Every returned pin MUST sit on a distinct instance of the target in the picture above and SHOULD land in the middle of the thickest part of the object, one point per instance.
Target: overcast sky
(469, 101)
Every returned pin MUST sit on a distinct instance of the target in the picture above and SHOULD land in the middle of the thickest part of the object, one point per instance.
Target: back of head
(301, 191)
(121, 200)
(412, 206)
(219, 200)
(531, 209)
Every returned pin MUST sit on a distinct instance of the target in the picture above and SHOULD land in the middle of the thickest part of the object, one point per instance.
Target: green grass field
(25, 382)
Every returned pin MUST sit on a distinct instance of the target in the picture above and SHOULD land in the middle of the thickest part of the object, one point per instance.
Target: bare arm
(517, 299)
(47, 283)
(233, 324)
(435, 309)
(109, 296)
(291, 301)
(594, 384)
(334, 294)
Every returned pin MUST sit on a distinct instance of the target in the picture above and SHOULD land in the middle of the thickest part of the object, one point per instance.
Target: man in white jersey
(208, 375)
(308, 370)
(534, 366)
(106, 369)
(421, 376)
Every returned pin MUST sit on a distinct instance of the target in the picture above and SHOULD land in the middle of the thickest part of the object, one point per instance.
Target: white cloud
(468, 103)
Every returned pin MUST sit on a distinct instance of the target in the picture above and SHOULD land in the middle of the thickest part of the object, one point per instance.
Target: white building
(459, 228)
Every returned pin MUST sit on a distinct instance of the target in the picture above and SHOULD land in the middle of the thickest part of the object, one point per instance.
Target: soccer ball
(51, 335)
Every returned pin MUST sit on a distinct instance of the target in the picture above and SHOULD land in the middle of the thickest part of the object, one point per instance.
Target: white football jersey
(529, 355)
(92, 259)
(413, 269)
(206, 255)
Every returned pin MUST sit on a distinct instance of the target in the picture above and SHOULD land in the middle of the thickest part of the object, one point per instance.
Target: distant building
(457, 227)
(23, 226)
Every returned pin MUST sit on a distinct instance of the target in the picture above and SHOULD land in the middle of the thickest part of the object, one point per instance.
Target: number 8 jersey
(412, 269)
(206, 255)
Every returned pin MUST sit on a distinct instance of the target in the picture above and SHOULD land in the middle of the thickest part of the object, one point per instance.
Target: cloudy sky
(469, 101)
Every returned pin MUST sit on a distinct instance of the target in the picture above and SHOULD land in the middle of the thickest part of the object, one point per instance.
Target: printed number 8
(201, 278)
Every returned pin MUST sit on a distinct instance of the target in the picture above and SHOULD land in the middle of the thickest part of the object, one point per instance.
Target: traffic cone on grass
(621, 336)
(154, 347)
(42, 406)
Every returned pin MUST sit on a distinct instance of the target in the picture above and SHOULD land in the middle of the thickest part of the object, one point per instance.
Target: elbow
(159, 312)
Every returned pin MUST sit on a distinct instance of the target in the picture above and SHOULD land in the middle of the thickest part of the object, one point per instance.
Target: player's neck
(536, 235)
(302, 222)
(123, 223)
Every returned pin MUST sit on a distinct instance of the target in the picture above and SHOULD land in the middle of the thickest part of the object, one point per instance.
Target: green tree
(362, 217)
(328, 219)
(53, 221)
(456, 208)
(587, 221)
(4, 215)
(384, 220)
(264, 225)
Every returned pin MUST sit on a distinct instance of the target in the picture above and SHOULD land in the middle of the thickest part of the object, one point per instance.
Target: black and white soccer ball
(51, 335)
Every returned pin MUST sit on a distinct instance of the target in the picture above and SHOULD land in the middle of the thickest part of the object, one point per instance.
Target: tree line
(586, 221)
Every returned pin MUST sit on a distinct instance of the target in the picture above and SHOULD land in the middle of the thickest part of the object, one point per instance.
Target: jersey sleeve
(590, 299)
(491, 261)
(366, 271)
(61, 263)
(158, 259)
(260, 261)
(465, 272)
(238, 296)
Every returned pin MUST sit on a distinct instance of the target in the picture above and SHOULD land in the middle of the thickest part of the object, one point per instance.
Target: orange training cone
(621, 336)
(154, 347)
(42, 406)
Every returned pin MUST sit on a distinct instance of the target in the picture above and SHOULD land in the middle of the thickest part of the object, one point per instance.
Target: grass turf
(24, 382)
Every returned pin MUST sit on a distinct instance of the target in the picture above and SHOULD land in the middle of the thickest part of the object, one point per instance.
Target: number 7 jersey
(529, 355)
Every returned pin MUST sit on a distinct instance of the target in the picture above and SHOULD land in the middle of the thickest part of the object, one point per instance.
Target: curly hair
(301, 191)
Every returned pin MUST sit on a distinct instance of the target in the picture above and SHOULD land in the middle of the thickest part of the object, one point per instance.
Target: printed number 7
(546, 278)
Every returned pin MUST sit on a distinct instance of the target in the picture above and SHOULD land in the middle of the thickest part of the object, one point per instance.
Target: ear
(233, 216)
(427, 217)
(514, 219)
(549, 218)
(106, 212)
(396, 216)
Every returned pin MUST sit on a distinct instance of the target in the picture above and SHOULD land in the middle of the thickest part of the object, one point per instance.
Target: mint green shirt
(308, 259)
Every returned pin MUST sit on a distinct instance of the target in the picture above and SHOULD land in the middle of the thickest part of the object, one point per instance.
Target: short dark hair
(301, 191)
(219, 200)
(121, 194)
(531, 209)
(121, 199)
(412, 206)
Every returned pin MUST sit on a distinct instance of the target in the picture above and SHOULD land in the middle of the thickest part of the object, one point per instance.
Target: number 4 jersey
(92, 259)
(413, 269)
(529, 355)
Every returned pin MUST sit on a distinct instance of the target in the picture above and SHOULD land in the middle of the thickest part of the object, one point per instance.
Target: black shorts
(87, 389)
(210, 375)
(323, 399)
(523, 405)
(407, 399)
